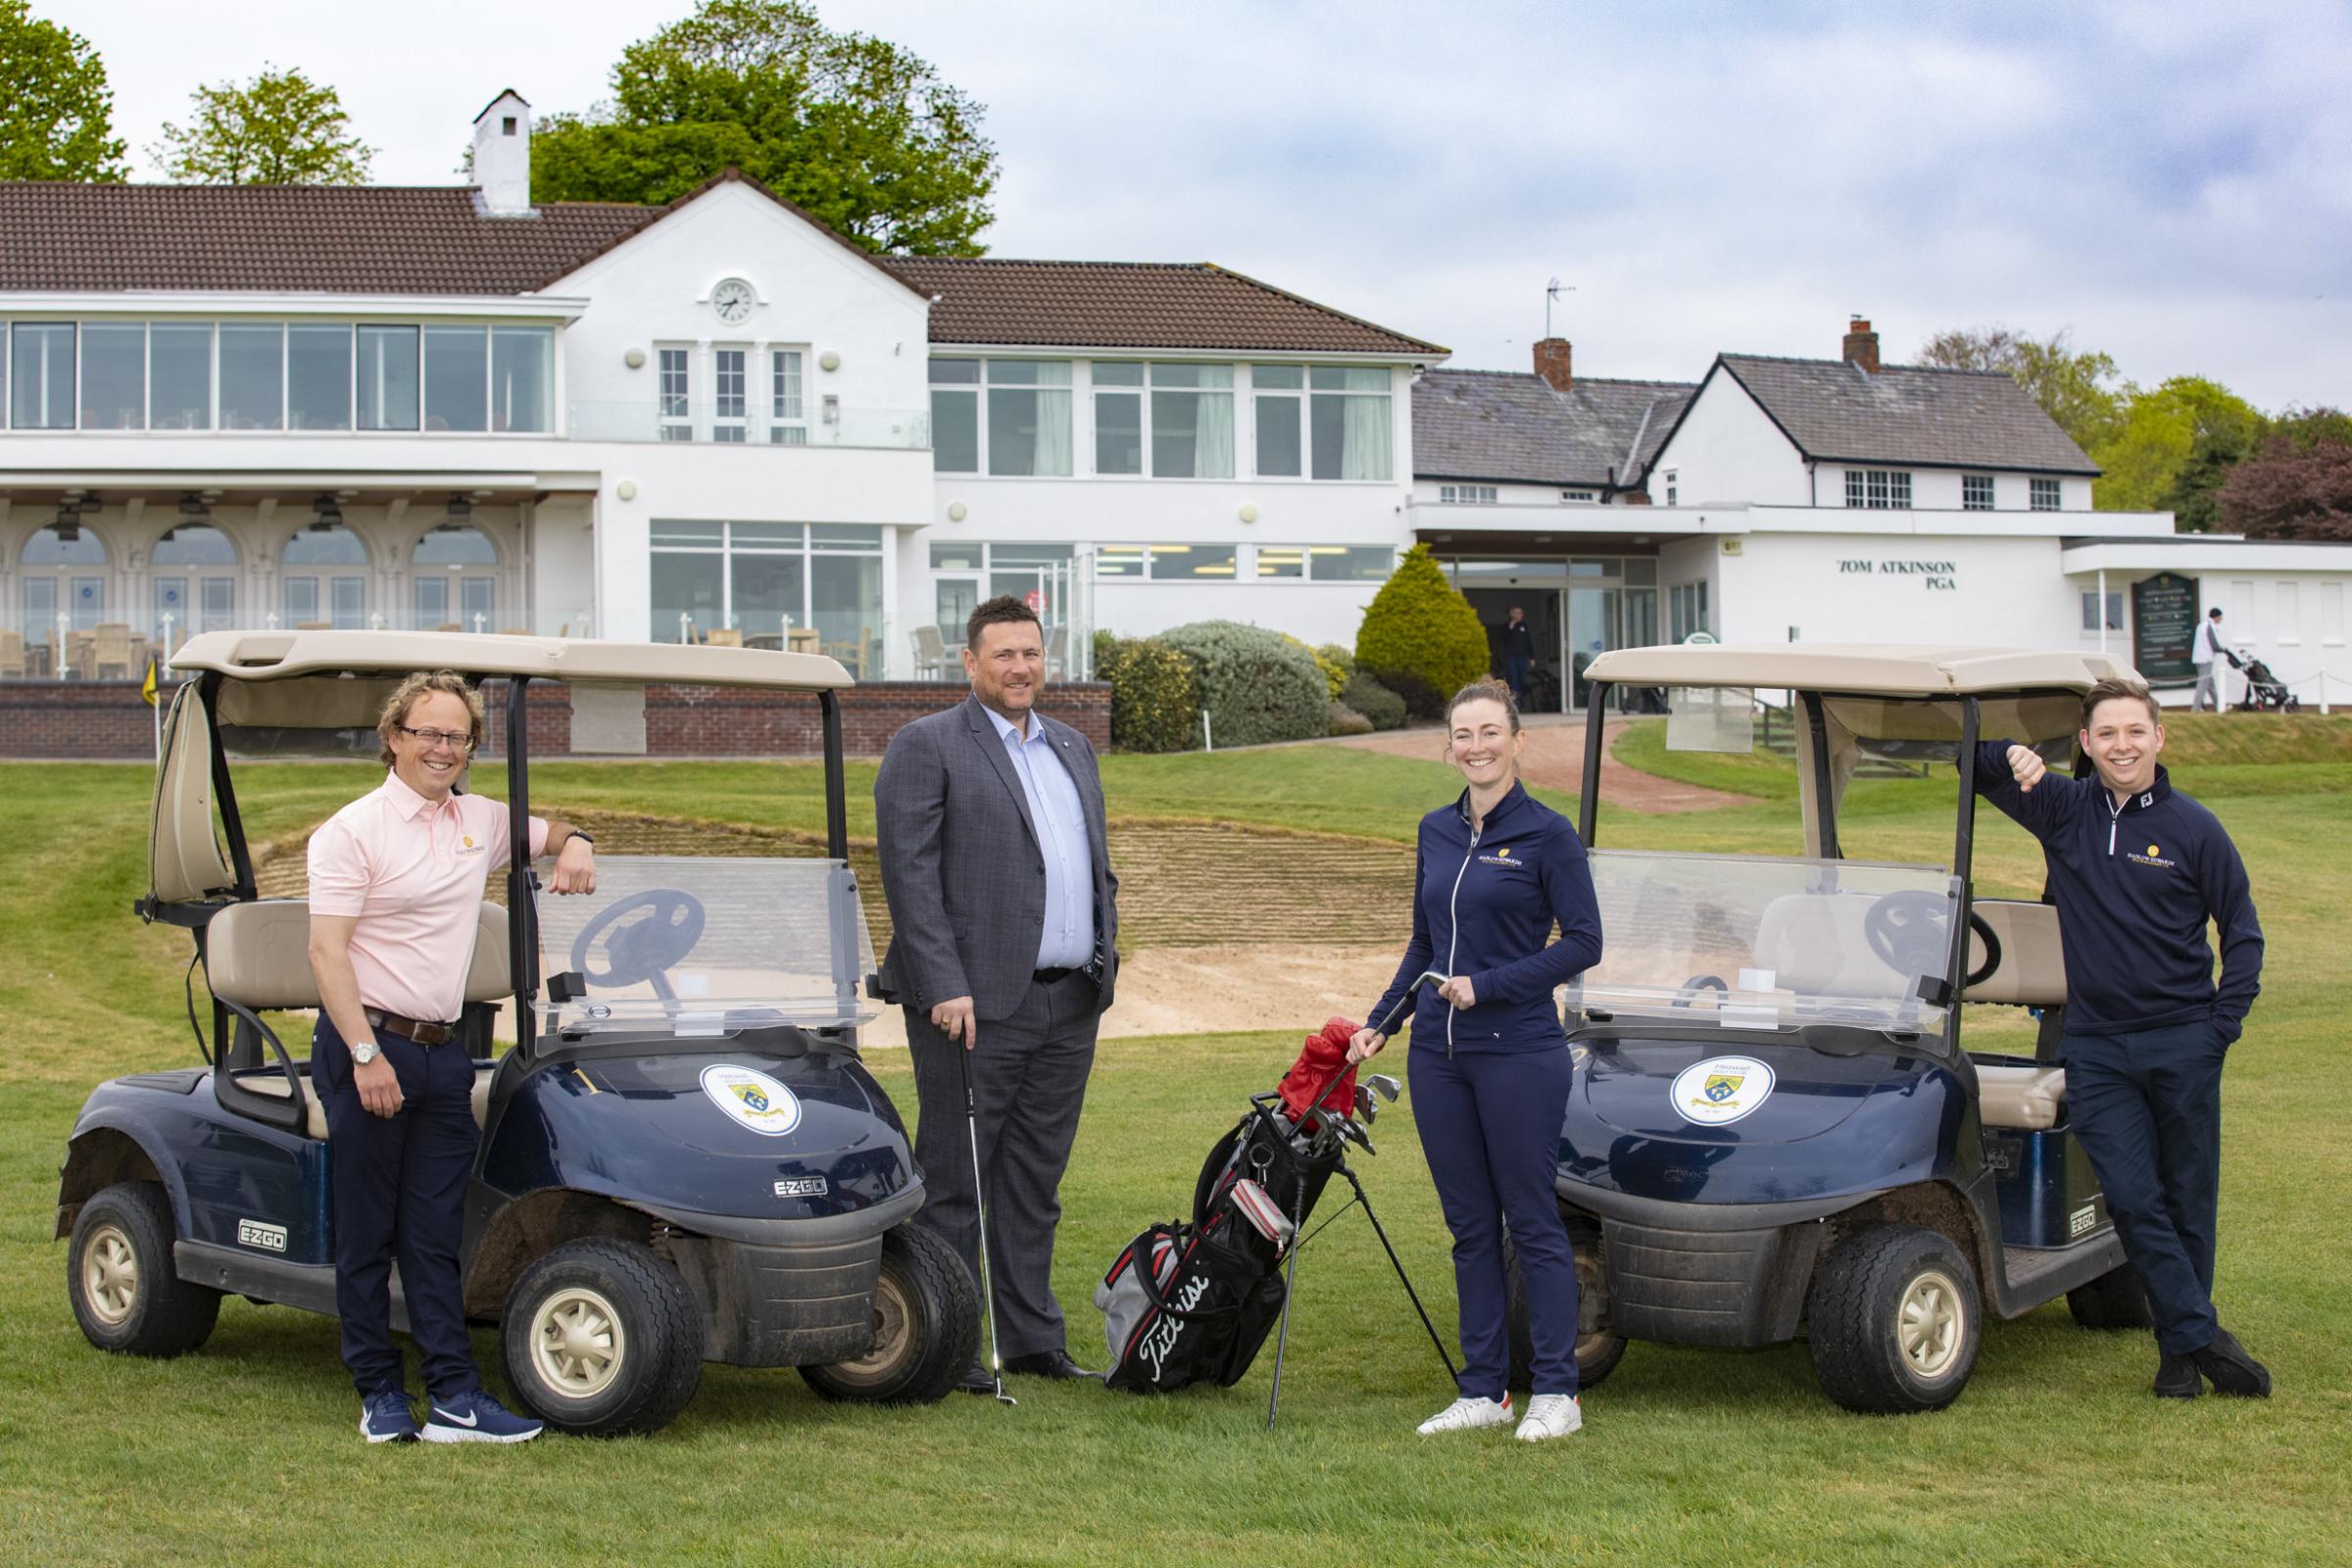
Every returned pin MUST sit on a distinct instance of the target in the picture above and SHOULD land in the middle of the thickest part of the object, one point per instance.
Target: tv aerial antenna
(1552, 291)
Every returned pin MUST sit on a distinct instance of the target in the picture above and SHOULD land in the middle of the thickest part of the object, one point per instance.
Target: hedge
(1256, 685)
(1155, 694)
(1420, 637)
(1368, 696)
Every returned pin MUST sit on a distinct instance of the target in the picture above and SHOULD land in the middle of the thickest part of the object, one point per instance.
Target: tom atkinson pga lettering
(1940, 574)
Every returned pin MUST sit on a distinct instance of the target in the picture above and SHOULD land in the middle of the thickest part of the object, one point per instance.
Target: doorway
(1542, 606)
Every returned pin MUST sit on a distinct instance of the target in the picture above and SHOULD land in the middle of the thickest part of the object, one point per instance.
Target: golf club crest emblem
(1721, 1089)
(752, 1098)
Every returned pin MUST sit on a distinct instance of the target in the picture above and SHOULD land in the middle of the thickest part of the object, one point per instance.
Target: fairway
(2056, 1452)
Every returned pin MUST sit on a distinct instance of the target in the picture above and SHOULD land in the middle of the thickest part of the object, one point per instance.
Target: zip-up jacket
(1485, 902)
(2135, 884)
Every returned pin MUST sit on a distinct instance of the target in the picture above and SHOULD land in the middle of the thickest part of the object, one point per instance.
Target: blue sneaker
(385, 1417)
(476, 1417)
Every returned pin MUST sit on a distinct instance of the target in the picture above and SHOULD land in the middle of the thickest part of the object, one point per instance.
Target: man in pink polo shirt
(395, 885)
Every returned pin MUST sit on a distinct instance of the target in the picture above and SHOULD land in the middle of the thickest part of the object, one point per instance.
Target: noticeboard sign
(2163, 628)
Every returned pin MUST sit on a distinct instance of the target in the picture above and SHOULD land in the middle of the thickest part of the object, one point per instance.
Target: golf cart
(682, 1158)
(1776, 1129)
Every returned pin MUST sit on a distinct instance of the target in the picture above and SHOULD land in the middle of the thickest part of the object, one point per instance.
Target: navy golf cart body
(1775, 1130)
(684, 1160)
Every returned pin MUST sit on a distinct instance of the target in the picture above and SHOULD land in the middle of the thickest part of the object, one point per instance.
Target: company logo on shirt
(469, 845)
(1501, 857)
(2154, 857)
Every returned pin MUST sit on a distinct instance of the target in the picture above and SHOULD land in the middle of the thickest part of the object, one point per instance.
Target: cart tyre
(1894, 1319)
(2115, 1299)
(926, 1326)
(120, 1277)
(602, 1338)
(1598, 1350)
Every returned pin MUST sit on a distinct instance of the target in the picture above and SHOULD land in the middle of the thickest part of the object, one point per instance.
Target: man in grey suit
(1004, 920)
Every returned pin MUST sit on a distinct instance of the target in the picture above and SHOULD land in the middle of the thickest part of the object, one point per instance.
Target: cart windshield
(1737, 941)
(704, 946)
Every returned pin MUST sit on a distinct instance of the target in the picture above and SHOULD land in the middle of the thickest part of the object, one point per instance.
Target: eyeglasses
(455, 740)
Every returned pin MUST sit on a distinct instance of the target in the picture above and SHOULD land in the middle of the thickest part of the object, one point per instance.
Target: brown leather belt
(424, 1034)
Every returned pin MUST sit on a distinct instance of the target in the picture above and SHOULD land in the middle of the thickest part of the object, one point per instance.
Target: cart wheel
(1894, 1321)
(119, 1275)
(2115, 1299)
(1598, 1350)
(926, 1326)
(602, 1338)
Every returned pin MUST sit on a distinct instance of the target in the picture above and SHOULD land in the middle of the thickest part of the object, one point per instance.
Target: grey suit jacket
(963, 871)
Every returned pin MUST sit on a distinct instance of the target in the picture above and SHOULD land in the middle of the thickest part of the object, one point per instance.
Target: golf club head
(1365, 1108)
(1386, 1086)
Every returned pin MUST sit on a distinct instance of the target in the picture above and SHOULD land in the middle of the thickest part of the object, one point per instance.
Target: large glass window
(673, 393)
(318, 378)
(68, 546)
(1350, 563)
(252, 376)
(316, 594)
(1192, 422)
(764, 579)
(731, 405)
(40, 376)
(113, 376)
(456, 578)
(1029, 416)
(1349, 407)
(1118, 419)
(456, 378)
(787, 424)
(1192, 563)
(522, 378)
(195, 598)
(387, 378)
(180, 376)
(955, 415)
(1878, 489)
(1281, 414)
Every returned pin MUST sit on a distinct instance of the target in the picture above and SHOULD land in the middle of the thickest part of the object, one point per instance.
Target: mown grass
(2055, 1455)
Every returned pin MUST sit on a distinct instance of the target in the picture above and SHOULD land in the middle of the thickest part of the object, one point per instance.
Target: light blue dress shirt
(1068, 939)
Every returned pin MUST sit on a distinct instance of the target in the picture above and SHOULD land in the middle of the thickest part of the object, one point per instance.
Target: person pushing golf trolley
(1490, 1066)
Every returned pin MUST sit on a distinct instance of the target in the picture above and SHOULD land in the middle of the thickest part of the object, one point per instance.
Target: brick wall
(103, 719)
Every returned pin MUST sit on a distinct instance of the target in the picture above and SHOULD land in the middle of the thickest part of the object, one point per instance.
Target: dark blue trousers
(399, 1193)
(1490, 1125)
(1514, 675)
(2147, 1108)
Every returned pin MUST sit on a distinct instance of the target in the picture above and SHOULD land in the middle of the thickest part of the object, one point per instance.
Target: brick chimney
(1551, 363)
(1861, 344)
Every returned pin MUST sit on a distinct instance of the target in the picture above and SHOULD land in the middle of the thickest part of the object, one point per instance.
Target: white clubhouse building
(426, 408)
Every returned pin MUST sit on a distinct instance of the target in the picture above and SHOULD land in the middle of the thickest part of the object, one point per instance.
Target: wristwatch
(365, 1052)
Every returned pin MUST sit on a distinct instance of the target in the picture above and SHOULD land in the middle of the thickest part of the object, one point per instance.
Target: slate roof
(1132, 305)
(1907, 414)
(1514, 427)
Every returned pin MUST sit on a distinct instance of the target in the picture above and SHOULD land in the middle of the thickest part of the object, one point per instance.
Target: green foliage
(280, 129)
(55, 110)
(1155, 694)
(1346, 721)
(1335, 654)
(1420, 637)
(1368, 696)
(2072, 387)
(2174, 447)
(1334, 671)
(1256, 685)
(860, 133)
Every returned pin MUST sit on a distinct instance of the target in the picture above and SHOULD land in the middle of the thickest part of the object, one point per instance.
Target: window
(731, 395)
(313, 596)
(252, 376)
(1686, 609)
(2046, 495)
(955, 415)
(1468, 495)
(387, 378)
(788, 425)
(318, 378)
(1192, 422)
(1879, 489)
(114, 376)
(180, 558)
(2090, 610)
(1282, 560)
(522, 378)
(1029, 417)
(762, 579)
(456, 578)
(456, 378)
(1673, 488)
(673, 393)
(40, 376)
(1281, 418)
(1118, 419)
(1350, 563)
(1976, 492)
(1350, 420)
(180, 376)
(1192, 563)
(1119, 560)
(1582, 498)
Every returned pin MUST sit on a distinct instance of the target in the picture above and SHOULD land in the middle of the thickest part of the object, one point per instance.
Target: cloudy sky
(2174, 184)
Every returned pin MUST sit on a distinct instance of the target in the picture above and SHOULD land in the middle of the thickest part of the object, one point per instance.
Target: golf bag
(2265, 692)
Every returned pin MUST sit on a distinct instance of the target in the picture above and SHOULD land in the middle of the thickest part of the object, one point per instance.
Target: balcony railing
(821, 423)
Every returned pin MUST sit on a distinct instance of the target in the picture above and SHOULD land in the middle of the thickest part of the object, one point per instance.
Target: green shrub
(1256, 685)
(1155, 694)
(1368, 696)
(1106, 653)
(1346, 721)
(1335, 676)
(1333, 653)
(1420, 637)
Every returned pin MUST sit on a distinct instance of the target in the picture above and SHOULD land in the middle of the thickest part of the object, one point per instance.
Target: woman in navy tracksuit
(1497, 869)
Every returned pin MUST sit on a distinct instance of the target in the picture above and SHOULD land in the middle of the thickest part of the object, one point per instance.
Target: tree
(2298, 484)
(860, 133)
(2071, 386)
(1420, 638)
(56, 111)
(280, 129)
(2174, 446)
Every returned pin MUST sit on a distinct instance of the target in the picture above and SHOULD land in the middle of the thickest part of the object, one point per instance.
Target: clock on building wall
(732, 300)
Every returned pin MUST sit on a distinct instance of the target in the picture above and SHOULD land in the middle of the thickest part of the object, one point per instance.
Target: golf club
(988, 1303)
(1367, 1111)
(1386, 1086)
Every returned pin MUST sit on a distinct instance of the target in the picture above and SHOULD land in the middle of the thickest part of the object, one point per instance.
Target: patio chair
(930, 653)
(726, 637)
(1057, 651)
(11, 655)
(110, 650)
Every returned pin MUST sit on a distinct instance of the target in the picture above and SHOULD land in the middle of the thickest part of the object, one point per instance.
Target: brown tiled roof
(355, 239)
(1132, 305)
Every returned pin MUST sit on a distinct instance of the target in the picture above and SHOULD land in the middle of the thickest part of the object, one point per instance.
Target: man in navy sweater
(2136, 870)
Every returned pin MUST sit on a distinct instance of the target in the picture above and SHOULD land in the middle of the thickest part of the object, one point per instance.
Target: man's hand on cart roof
(2026, 767)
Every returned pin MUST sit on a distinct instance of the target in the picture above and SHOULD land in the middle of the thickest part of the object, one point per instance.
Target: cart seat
(2029, 1097)
(272, 1082)
(2032, 968)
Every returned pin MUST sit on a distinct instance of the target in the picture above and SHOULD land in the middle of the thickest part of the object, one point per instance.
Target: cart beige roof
(1877, 670)
(261, 656)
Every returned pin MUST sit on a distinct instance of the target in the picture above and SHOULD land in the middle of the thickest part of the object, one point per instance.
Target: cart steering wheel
(645, 949)
(1691, 987)
(1906, 931)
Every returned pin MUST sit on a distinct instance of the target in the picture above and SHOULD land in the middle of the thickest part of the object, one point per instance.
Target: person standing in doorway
(1004, 925)
(2207, 656)
(1518, 653)
(2136, 871)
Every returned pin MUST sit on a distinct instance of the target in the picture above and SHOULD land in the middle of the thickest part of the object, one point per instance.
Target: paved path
(1556, 760)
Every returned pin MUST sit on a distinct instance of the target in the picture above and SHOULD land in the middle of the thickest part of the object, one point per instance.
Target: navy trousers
(2147, 1106)
(399, 1193)
(1490, 1125)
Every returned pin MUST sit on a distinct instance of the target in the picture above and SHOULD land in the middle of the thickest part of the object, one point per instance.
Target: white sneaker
(1463, 1414)
(1550, 1415)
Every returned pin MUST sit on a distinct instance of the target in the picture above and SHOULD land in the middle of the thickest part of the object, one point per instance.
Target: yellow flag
(147, 687)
